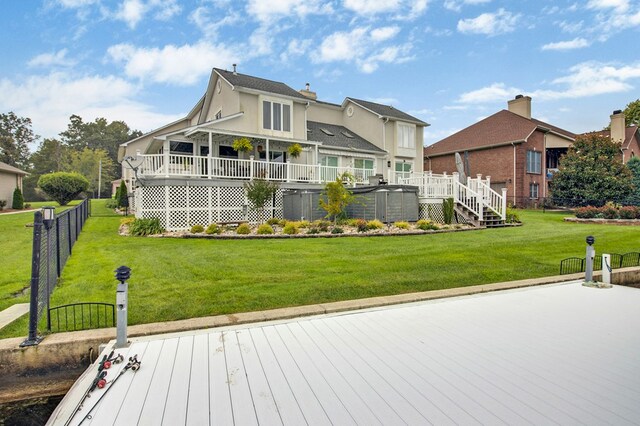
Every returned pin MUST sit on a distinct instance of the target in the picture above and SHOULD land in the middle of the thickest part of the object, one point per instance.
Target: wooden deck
(559, 354)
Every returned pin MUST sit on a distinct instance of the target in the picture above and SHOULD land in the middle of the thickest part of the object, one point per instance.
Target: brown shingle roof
(629, 133)
(500, 128)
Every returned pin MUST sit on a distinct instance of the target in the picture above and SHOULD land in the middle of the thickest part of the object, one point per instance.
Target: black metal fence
(573, 265)
(81, 316)
(53, 242)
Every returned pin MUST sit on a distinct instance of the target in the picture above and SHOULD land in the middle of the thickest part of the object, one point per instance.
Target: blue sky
(448, 62)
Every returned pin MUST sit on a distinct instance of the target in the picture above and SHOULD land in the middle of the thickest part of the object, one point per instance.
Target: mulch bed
(623, 222)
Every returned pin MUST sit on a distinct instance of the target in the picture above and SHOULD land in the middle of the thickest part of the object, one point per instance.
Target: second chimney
(617, 126)
(308, 93)
(521, 105)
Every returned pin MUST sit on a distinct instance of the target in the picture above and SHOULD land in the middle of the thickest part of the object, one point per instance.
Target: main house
(519, 153)
(188, 171)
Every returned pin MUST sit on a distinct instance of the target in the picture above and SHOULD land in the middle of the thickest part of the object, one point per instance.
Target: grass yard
(177, 279)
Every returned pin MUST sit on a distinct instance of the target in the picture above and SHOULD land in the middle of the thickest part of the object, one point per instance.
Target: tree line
(84, 148)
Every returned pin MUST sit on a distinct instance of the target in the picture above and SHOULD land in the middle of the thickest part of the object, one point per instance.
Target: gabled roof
(260, 84)
(385, 111)
(332, 135)
(7, 168)
(629, 134)
(501, 128)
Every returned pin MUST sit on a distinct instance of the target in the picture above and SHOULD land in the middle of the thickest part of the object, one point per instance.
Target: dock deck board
(562, 354)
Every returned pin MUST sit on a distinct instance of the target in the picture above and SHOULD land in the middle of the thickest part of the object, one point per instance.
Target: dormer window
(276, 116)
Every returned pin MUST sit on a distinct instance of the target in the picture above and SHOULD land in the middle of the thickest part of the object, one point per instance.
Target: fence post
(33, 338)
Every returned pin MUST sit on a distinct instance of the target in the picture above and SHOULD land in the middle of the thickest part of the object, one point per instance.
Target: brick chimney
(618, 127)
(308, 93)
(521, 105)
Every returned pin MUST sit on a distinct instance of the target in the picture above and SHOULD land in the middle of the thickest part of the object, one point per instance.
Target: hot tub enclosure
(387, 203)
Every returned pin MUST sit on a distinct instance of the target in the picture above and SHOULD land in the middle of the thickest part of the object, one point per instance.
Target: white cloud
(74, 4)
(619, 5)
(362, 46)
(180, 65)
(571, 27)
(209, 26)
(591, 79)
(489, 24)
(576, 43)
(57, 59)
(402, 9)
(584, 80)
(456, 5)
(50, 100)
(384, 33)
(372, 7)
(134, 11)
(494, 92)
(295, 48)
(270, 10)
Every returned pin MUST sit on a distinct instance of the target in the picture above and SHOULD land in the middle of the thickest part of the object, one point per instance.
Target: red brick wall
(498, 163)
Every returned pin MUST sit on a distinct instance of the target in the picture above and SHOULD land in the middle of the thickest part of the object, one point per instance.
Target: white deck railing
(477, 195)
(173, 165)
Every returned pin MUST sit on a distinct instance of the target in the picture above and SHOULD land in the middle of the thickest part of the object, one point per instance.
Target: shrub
(290, 228)
(264, 229)
(142, 227)
(401, 225)
(322, 225)
(3, 203)
(127, 220)
(122, 197)
(259, 191)
(511, 216)
(426, 225)
(447, 210)
(111, 204)
(629, 212)
(273, 221)
(197, 229)
(63, 187)
(375, 224)
(609, 211)
(588, 212)
(337, 230)
(303, 224)
(361, 225)
(243, 229)
(27, 205)
(313, 230)
(18, 200)
(213, 228)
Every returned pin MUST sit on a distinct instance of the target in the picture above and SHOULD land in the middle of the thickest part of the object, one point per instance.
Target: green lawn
(176, 279)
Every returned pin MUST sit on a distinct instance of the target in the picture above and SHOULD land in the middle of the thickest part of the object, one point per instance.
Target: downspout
(385, 120)
(514, 173)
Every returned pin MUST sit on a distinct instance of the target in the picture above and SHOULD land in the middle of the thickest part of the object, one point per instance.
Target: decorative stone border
(598, 221)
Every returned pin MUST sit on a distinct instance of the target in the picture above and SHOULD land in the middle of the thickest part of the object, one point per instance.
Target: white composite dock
(557, 354)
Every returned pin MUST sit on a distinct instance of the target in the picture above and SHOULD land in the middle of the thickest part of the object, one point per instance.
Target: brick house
(518, 152)
(627, 136)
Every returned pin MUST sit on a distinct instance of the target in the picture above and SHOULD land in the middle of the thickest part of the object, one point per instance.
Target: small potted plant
(242, 145)
(294, 150)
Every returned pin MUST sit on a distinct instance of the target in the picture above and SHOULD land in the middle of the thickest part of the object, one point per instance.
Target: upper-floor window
(276, 116)
(406, 136)
(534, 161)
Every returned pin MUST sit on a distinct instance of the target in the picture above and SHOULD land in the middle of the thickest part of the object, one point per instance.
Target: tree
(51, 156)
(632, 113)
(336, 197)
(87, 163)
(15, 137)
(634, 165)
(591, 173)
(259, 191)
(62, 186)
(99, 134)
(18, 200)
(122, 195)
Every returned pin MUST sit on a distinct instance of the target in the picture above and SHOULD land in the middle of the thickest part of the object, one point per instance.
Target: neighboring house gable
(517, 151)
(10, 179)
(627, 136)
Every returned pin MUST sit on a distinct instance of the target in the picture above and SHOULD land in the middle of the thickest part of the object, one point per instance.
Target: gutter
(427, 157)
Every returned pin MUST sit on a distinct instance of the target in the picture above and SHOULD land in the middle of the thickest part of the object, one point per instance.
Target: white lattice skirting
(433, 210)
(180, 207)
